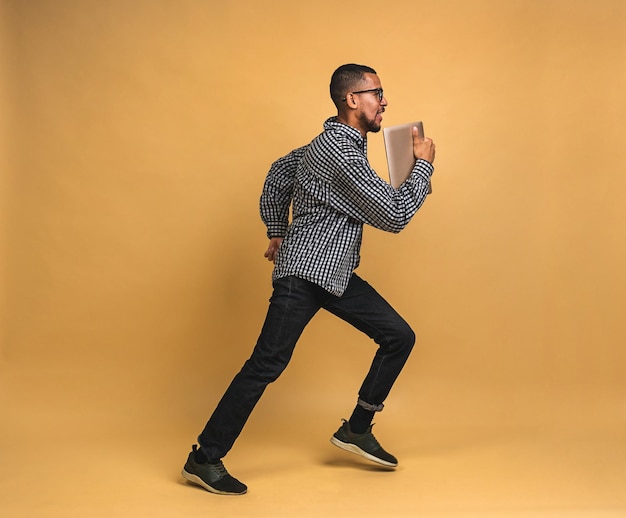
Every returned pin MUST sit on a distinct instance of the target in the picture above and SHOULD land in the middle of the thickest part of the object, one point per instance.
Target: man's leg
(366, 310)
(292, 305)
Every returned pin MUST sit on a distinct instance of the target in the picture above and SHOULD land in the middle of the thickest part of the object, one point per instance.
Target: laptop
(399, 149)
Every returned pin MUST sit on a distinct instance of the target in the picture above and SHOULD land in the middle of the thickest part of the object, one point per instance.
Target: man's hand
(423, 148)
(272, 248)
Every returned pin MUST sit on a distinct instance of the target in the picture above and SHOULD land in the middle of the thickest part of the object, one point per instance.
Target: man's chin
(374, 126)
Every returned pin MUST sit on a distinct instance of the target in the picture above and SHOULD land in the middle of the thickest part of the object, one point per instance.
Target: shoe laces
(371, 437)
(219, 469)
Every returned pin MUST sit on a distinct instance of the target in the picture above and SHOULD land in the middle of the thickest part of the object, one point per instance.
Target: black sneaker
(212, 476)
(364, 444)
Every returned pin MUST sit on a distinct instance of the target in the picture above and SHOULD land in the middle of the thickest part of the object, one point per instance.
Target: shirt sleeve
(277, 193)
(359, 192)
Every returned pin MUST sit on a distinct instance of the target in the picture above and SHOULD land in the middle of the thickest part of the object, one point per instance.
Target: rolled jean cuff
(370, 407)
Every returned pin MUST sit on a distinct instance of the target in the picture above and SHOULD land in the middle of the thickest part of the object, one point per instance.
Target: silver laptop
(399, 149)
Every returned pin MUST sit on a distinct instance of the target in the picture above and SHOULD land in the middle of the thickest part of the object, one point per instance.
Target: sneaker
(212, 476)
(364, 444)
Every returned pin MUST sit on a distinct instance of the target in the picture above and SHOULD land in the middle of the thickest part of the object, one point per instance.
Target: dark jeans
(292, 305)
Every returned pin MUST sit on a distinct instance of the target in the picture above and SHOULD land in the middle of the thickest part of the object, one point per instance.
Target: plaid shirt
(334, 192)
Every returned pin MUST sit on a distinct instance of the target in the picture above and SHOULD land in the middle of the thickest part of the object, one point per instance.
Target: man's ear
(351, 101)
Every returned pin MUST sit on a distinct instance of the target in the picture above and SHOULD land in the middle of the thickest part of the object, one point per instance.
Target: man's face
(370, 107)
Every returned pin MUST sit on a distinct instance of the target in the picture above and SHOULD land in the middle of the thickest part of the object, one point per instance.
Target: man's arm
(362, 195)
(276, 198)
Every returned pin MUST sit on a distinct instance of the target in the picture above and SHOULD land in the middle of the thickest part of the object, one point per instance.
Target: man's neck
(352, 123)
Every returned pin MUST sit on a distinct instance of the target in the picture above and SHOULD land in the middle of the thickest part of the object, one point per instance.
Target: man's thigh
(364, 308)
(293, 303)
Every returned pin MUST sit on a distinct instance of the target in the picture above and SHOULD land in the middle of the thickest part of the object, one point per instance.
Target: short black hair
(345, 78)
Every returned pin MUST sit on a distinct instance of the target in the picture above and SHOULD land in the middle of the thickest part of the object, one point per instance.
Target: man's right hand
(272, 248)
(423, 148)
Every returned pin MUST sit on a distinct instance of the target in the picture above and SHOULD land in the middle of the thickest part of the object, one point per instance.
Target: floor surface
(64, 458)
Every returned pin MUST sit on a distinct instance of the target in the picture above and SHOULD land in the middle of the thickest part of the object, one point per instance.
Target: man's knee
(404, 337)
(266, 369)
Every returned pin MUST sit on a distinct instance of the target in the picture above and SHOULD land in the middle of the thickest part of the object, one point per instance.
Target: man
(334, 192)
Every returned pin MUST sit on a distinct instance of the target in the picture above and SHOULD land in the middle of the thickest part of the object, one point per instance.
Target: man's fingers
(416, 134)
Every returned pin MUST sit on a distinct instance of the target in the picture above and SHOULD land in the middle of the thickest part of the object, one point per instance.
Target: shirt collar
(352, 133)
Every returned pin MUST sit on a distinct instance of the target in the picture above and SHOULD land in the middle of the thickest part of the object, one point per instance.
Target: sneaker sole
(195, 479)
(353, 448)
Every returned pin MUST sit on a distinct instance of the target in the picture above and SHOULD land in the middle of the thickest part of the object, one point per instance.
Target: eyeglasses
(377, 91)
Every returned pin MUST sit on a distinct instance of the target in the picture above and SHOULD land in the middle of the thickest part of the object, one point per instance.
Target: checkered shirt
(334, 192)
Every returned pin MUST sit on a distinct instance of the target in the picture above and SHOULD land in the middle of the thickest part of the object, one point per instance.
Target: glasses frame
(377, 91)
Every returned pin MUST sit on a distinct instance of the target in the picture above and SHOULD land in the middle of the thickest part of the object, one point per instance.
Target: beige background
(135, 136)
